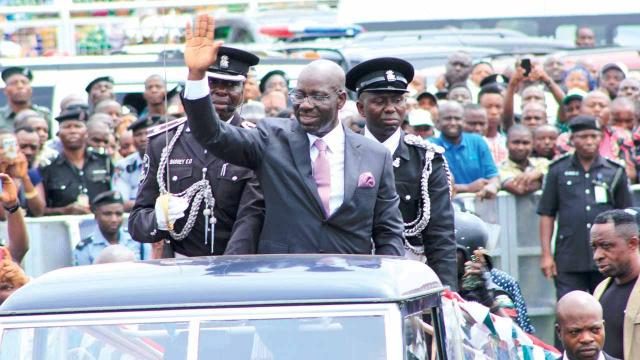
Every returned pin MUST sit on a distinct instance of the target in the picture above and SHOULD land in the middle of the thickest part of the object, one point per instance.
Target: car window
(627, 35)
(42, 95)
(320, 338)
(222, 33)
(124, 342)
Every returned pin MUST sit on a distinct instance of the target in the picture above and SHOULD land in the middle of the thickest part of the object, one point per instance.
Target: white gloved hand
(175, 211)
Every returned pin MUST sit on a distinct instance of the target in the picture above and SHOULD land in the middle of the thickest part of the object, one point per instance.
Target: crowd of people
(232, 164)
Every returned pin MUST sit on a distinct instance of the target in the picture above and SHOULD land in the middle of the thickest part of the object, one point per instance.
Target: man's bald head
(331, 72)
(575, 304)
(115, 254)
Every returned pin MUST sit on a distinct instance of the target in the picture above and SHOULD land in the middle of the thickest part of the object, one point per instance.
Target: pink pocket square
(366, 180)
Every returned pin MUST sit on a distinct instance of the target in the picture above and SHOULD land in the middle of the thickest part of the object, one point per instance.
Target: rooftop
(224, 281)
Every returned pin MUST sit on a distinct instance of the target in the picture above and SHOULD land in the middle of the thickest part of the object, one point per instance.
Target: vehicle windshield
(326, 337)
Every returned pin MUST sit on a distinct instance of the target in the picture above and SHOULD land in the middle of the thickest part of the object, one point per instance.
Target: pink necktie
(322, 174)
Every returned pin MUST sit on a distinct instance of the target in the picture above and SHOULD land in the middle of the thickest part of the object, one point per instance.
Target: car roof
(224, 281)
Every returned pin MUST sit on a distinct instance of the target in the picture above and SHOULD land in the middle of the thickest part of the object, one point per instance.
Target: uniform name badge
(600, 193)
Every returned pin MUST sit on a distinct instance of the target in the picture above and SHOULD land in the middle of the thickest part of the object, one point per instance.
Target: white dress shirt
(565, 357)
(391, 143)
(335, 154)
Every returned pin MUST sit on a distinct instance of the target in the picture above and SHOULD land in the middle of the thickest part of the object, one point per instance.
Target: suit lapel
(352, 158)
(236, 120)
(299, 144)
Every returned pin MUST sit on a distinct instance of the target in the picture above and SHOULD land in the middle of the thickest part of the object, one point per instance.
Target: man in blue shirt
(468, 155)
(108, 209)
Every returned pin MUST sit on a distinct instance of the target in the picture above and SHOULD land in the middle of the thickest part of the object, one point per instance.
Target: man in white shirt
(326, 190)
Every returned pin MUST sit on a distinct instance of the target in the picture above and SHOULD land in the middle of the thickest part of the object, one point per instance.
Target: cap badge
(390, 75)
(224, 61)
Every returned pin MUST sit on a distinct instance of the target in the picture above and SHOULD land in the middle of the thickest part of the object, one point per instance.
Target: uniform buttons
(586, 176)
(174, 178)
(569, 182)
(205, 151)
(589, 226)
(80, 187)
(63, 187)
(587, 191)
(588, 208)
(234, 178)
(81, 173)
(407, 197)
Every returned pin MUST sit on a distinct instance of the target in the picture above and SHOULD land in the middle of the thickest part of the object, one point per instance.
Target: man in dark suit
(326, 190)
(421, 174)
(188, 196)
(580, 327)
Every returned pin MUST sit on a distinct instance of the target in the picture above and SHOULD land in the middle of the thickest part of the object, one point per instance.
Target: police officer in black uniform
(76, 176)
(421, 173)
(577, 188)
(190, 195)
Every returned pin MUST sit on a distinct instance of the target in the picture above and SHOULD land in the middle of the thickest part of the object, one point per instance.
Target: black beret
(583, 122)
(105, 198)
(380, 74)
(145, 122)
(97, 80)
(267, 76)
(6, 73)
(499, 79)
(232, 64)
(78, 114)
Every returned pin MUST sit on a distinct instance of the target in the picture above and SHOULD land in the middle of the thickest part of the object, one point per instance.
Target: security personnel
(128, 170)
(577, 188)
(207, 203)
(421, 173)
(108, 209)
(76, 176)
(98, 89)
(19, 93)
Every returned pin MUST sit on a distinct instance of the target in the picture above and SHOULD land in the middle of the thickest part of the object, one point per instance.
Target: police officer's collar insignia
(145, 168)
(396, 162)
(224, 62)
(390, 76)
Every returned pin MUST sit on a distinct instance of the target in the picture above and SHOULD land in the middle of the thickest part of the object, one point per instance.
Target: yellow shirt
(509, 169)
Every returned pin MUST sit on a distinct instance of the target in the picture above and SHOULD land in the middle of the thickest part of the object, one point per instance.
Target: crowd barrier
(514, 246)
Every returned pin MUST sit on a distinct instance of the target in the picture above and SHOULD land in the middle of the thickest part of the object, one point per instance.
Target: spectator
(14, 163)
(492, 100)
(578, 78)
(418, 85)
(107, 208)
(460, 93)
(630, 88)
(45, 153)
(125, 144)
(76, 175)
(468, 155)
(73, 101)
(532, 93)
(572, 103)
(98, 136)
(11, 275)
(274, 102)
(421, 123)
(479, 71)
(475, 119)
(253, 111)
(479, 280)
(623, 114)
(544, 141)
(18, 94)
(585, 37)
(534, 114)
(28, 143)
(521, 174)
(99, 89)
(457, 70)
(155, 93)
(109, 107)
(611, 76)
(251, 89)
(554, 66)
(615, 243)
(128, 171)
(577, 188)
(275, 80)
(580, 327)
(428, 101)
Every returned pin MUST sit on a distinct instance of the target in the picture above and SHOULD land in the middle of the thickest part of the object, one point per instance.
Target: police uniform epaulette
(84, 242)
(614, 162)
(414, 140)
(162, 128)
(558, 159)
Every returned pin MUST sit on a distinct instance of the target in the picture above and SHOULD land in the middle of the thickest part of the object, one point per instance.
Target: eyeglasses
(298, 97)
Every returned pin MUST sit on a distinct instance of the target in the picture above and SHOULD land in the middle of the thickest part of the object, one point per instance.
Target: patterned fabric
(512, 288)
(498, 147)
(508, 169)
